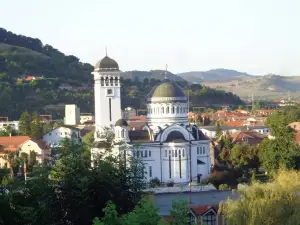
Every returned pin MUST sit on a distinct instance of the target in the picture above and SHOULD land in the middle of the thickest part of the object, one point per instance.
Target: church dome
(106, 64)
(167, 91)
(121, 123)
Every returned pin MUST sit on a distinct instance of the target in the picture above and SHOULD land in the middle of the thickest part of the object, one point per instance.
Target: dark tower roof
(121, 123)
(169, 90)
(106, 64)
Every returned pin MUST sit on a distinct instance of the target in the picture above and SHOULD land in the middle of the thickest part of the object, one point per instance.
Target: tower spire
(166, 71)
(106, 50)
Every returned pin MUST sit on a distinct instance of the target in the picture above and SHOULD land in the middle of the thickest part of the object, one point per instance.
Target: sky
(253, 36)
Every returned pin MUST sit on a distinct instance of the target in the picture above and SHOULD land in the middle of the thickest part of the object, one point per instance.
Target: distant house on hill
(251, 137)
(30, 78)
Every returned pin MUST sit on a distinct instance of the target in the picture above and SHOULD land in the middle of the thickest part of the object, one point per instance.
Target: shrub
(224, 187)
(155, 182)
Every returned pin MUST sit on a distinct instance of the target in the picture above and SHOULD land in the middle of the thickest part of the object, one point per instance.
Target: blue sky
(254, 36)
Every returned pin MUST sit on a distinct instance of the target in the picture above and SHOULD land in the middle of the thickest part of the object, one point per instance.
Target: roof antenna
(166, 72)
(106, 50)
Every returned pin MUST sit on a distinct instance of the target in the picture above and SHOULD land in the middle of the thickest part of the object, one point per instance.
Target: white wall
(55, 136)
(13, 124)
(72, 115)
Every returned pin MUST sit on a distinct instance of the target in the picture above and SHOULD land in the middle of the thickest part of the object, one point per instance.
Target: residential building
(295, 126)
(85, 117)
(72, 115)
(251, 137)
(24, 144)
(56, 136)
(171, 148)
(206, 214)
(210, 131)
(13, 124)
(128, 113)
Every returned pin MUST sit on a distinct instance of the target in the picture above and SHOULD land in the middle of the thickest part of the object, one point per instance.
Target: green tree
(24, 124)
(243, 155)
(218, 131)
(132, 93)
(36, 129)
(266, 204)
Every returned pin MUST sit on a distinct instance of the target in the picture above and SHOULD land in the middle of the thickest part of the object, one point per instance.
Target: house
(57, 135)
(295, 126)
(84, 117)
(25, 144)
(12, 124)
(128, 113)
(250, 137)
(210, 131)
(206, 214)
(30, 78)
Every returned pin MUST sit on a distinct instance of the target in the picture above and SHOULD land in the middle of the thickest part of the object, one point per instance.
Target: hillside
(216, 75)
(263, 87)
(21, 56)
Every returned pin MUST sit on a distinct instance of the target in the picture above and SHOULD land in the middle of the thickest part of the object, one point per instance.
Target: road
(164, 201)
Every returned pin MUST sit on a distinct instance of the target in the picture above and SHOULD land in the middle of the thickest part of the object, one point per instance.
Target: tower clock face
(110, 92)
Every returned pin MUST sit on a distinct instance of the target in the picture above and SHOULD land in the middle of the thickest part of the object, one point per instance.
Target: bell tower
(107, 94)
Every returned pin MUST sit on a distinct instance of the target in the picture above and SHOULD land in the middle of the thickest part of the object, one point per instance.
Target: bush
(225, 177)
(4, 172)
(170, 183)
(155, 182)
(224, 187)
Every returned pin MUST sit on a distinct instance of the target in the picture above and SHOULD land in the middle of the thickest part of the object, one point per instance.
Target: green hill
(21, 56)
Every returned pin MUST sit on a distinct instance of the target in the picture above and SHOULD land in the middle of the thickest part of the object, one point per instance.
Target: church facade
(170, 147)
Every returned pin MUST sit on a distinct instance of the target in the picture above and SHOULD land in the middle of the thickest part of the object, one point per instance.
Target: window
(176, 153)
(179, 152)
(172, 153)
(149, 153)
(209, 218)
(137, 154)
(150, 171)
(198, 151)
(65, 133)
(142, 154)
(109, 91)
(166, 153)
(146, 155)
(50, 134)
(167, 110)
(182, 152)
(122, 133)
(162, 110)
(173, 110)
(177, 110)
(203, 150)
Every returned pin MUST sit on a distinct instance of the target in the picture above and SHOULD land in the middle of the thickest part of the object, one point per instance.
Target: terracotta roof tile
(13, 143)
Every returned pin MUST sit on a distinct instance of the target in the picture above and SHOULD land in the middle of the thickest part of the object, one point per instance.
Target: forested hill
(21, 56)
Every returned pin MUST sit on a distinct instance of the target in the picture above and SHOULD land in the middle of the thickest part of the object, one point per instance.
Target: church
(171, 149)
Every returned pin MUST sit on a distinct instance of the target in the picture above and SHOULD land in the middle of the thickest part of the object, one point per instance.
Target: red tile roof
(234, 123)
(201, 209)
(13, 143)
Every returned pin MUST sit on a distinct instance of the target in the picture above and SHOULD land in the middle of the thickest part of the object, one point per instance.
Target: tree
(132, 93)
(243, 155)
(266, 204)
(36, 129)
(24, 124)
(218, 131)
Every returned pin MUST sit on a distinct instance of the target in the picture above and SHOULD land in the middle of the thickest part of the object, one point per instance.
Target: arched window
(167, 109)
(176, 153)
(203, 150)
(180, 109)
(166, 153)
(173, 110)
(122, 133)
(182, 152)
(102, 81)
(137, 153)
(111, 81)
(106, 81)
(142, 154)
(173, 153)
(177, 109)
(149, 153)
(162, 110)
(179, 152)
(146, 154)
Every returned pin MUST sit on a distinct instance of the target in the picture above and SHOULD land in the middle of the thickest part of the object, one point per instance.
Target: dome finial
(166, 71)
(106, 50)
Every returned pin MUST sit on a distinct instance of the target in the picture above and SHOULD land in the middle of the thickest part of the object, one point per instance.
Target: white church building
(171, 149)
